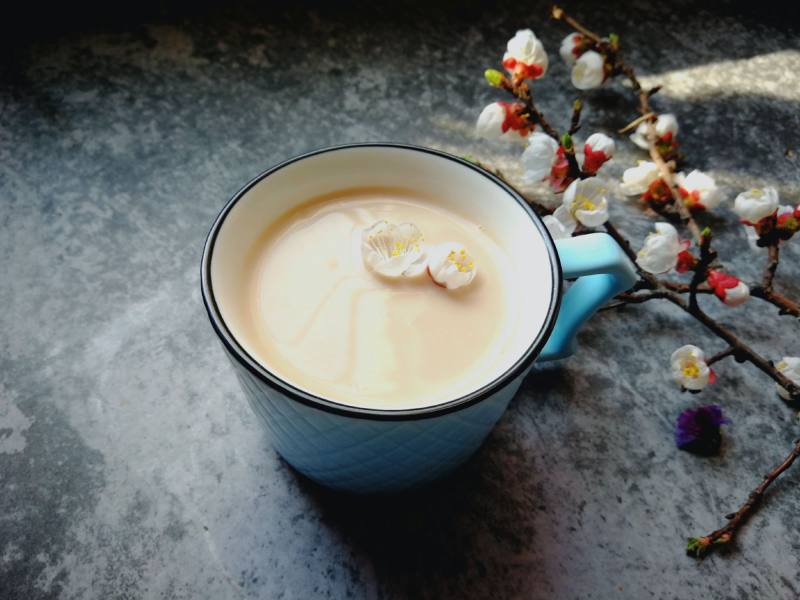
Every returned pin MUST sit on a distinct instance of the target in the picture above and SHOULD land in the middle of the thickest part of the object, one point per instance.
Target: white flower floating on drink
(450, 265)
(393, 250)
(399, 251)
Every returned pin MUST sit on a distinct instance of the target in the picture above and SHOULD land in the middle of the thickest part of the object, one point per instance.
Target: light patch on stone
(733, 77)
(13, 425)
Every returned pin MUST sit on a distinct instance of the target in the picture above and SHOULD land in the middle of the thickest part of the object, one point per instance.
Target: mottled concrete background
(130, 465)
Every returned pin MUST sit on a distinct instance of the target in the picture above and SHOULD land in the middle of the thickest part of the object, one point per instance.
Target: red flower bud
(514, 118)
(728, 288)
(558, 173)
(686, 261)
(593, 160)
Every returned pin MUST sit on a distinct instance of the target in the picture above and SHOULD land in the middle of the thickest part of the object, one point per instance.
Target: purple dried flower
(697, 430)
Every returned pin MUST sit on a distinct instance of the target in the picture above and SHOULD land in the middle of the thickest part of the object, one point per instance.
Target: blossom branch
(595, 59)
(786, 306)
(772, 266)
(729, 351)
(743, 351)
(707, 256)
(522, 92)
(575, 122)
(700, 547)
(558, 14)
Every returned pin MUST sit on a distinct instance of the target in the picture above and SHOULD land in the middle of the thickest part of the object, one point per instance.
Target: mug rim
(249, 362)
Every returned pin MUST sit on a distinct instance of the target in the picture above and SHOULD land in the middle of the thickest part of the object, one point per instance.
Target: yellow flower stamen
(691, 370)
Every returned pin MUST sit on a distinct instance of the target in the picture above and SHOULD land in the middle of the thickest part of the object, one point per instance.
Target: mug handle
(603, 271)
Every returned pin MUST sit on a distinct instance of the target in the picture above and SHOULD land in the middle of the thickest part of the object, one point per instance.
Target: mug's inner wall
(450, 184)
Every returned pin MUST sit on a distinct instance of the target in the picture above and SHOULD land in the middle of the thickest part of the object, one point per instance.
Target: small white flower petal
(636, 180)
(538, 158)
(588, 71)
(560, 224)
(490, 121)
(659, 253)
(737, 295)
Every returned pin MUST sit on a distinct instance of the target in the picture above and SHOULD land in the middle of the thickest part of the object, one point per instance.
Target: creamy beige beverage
(318, 318)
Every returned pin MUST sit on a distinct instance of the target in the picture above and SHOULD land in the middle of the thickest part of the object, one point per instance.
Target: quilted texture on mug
(367, 455)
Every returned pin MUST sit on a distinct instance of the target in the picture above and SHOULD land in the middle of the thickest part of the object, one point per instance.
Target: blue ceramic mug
(366, 450)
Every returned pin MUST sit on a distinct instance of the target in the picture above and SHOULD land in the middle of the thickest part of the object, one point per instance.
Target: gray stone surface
(130, 465)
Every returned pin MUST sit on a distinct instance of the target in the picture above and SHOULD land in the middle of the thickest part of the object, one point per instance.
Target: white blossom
(661, 248)
(755, 204)
(560, 224)
(393, 250)
(666, 123)
(637, 180)
(588, 72)
(539, 156)
(585, 200)
(789, 366)
(689, 368)
(525, 55)
(491, 122)
(450, 265)
(701, 188)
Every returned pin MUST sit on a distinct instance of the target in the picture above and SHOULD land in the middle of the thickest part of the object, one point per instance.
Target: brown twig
(636, 122)
(786, 306)
(559, 15)
(707, 256)
(700, 547)
(729, 351)
(741, 349)
(521, 91)
(575, 122)
(772, 266)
